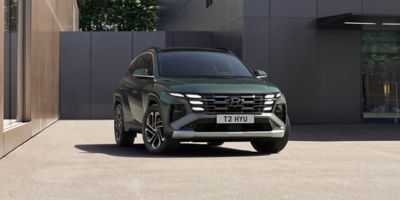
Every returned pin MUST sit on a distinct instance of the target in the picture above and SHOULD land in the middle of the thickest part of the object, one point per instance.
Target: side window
(143, 65)
(148, 63)
(134, 65)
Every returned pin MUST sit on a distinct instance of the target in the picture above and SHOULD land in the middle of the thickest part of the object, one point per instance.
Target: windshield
(201, 64)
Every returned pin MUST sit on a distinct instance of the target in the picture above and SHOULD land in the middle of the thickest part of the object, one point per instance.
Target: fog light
(177, 112)
(280, 112)
(198, 109)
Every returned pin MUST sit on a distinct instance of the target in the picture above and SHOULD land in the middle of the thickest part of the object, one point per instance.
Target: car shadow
(184, 151)
(345, 132)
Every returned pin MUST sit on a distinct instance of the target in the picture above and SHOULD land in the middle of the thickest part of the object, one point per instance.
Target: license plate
(235, 119)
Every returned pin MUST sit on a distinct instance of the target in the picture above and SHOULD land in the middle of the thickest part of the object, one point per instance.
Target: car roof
(177, 49)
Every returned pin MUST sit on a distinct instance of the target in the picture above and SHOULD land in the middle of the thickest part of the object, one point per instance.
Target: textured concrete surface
(78, 160)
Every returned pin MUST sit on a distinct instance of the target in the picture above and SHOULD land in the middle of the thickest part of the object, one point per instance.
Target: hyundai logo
(235, 102)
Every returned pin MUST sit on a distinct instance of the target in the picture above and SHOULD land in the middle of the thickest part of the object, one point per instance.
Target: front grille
(242, 104)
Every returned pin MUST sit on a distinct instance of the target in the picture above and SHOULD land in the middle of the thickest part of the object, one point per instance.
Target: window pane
(10, 61)
(381, 74)
(148, 63)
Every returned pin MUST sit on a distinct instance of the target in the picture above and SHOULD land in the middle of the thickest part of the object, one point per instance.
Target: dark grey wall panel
(339, 77)
(193, 15)
(111, 55)
(75, 75)
(223, 12)
(256, 8)
(230, 37)
(168, 8)
(293, 65)
(144, 40)
(93, 63)
(190, 39)
(293, 8)
(336, 7)
(256, 51)
(185, 18)
(382, 7)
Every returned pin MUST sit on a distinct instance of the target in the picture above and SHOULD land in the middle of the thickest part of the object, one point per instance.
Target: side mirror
(142, 73)
(260, 74)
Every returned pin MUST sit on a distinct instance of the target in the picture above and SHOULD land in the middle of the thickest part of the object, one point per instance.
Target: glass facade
(381, 74)
(10, 61)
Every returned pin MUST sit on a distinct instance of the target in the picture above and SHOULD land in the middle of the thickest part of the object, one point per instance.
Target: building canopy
(360, 22)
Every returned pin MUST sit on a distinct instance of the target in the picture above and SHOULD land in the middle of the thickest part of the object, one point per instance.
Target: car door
(142, 84)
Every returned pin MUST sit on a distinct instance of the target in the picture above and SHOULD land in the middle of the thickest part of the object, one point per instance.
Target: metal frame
(26, 105)
(1, 79)
(23, 61)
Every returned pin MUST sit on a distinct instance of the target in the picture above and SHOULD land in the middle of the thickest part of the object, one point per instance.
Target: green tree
(117, 15)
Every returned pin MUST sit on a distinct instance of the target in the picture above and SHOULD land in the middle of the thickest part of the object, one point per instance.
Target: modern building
(337, 61)
(29, 66)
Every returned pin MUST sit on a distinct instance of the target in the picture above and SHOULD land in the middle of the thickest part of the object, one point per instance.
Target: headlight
(176, 94)
(193, 96)
(269, 96)
(193, 99)
(196, 102)
(190, 96)
(198, 109)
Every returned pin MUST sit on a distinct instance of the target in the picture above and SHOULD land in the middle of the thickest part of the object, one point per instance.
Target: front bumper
(227, 135)
(278, 129)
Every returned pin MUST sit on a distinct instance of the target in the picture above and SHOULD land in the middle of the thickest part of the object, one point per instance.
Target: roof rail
(152, 48)
(225, 49)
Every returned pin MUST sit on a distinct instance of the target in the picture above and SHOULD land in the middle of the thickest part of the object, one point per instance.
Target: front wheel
(272, 146)
(155, 140)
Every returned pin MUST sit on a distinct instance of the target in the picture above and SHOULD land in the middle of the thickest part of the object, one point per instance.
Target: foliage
(117, 15)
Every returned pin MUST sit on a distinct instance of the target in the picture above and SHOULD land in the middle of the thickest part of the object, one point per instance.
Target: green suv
(178, 95)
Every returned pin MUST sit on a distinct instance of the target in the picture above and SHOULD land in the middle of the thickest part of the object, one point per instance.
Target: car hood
(218, 85)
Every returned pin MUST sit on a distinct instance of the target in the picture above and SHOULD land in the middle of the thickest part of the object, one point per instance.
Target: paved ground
(78, 160)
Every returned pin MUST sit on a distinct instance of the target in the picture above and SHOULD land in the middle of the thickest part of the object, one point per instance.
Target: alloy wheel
(153, 132)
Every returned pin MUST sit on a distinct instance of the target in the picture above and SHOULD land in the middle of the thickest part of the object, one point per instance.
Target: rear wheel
(155, 140)
(122, 137)
(272, 146)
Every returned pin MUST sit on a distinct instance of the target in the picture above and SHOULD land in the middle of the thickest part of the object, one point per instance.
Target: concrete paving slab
(78, 160)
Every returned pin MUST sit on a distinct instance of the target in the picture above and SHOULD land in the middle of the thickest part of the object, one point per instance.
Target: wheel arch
(117, 100)
(153, 99)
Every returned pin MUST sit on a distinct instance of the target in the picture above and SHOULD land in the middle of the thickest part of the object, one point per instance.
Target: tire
(272, 146)
(122, 137)
(154, 139)
(215, 143)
